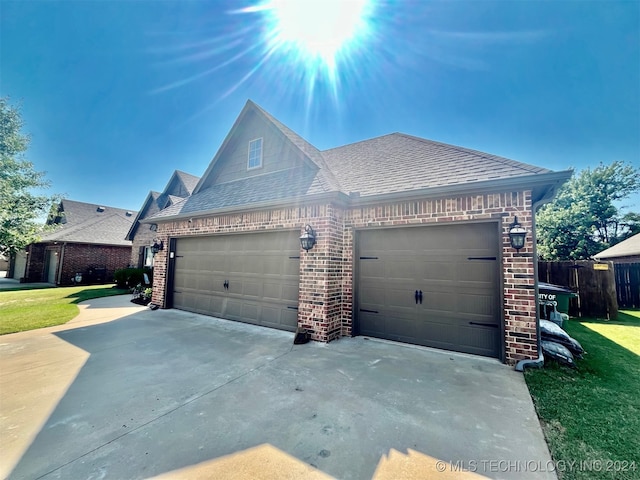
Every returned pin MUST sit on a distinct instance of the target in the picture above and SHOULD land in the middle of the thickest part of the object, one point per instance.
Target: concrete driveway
(125, 392)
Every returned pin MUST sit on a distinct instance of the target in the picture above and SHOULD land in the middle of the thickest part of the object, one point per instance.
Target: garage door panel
(478, 305)
(262, 272)
(371, 323)
(438, 301)
(250, 312)
(290, 294)
(400, 268)
(455, 266)
(250, 289)
(272, 290)
(437, 270)
(371, 269)
(478, 272)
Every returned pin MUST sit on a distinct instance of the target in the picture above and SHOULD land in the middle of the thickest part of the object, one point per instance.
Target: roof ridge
(106, 207)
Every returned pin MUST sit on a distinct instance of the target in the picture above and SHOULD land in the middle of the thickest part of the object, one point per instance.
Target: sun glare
(316, 30)
(314, 45)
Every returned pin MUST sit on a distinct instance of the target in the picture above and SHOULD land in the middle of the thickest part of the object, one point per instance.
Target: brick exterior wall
(75, 257)
(81, 257)
(327, 271)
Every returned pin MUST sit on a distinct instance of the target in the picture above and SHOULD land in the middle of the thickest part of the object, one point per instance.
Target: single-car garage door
(250, 277)
(436, 286)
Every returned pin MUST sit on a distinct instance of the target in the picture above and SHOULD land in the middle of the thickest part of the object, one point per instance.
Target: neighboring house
(4, 263)
(627, 251)
(180, 186)
(412, 240)
(86, 239)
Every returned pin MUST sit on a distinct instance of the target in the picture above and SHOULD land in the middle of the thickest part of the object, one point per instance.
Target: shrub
(130, 277)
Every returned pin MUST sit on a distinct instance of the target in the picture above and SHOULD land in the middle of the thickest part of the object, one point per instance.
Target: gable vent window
(255, 154)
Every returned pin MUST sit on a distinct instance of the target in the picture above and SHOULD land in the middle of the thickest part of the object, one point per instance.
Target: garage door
(251, 278)
(436, 286)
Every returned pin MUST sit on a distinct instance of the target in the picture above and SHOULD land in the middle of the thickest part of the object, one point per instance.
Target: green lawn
(22, 310)
(591, 416)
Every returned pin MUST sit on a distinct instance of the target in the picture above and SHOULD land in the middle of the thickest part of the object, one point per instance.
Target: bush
(130, 277)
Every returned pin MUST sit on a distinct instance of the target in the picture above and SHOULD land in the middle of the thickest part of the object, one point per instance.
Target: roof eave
(335, 197)
(542, 185)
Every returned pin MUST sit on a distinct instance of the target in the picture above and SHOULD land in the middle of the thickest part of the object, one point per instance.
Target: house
(180, 186)
(85, 239)
(411, 240)
(627, 251)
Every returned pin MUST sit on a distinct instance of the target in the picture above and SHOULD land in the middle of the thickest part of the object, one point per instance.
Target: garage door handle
(226, 285)
(418, 297)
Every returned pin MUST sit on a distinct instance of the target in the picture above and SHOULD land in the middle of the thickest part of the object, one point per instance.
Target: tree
(20, 208)
(583, 219)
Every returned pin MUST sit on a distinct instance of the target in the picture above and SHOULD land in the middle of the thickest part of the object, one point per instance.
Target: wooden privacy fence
(628, 284)
(594, 282)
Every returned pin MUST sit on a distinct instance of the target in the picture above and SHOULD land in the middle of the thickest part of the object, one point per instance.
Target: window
(255, 154)
(145, 257)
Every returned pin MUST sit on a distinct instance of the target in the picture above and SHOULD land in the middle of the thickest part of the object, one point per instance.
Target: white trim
(249, 167)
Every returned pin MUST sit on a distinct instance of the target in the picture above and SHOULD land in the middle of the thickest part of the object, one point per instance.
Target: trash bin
(553, 297)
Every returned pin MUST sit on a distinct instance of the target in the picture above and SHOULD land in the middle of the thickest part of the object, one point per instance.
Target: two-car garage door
(436, 286)
(247, 277)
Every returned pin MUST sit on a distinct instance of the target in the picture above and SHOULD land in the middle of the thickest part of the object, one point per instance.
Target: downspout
(538, 362)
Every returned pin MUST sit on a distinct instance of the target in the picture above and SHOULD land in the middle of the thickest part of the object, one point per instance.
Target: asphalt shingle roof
(399, 162)
(189, 181)
(91, 223)
(263, 188)
(626, 248)
(383, 165)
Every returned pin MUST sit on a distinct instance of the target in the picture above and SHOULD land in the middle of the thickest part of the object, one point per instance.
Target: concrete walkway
(13, 283)
(125, 392)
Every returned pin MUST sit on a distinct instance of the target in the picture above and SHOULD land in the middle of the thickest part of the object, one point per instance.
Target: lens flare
(290, 47)
(316, 30)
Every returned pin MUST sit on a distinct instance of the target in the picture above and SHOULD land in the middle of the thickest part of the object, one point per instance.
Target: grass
(22, 310)
(591, 415)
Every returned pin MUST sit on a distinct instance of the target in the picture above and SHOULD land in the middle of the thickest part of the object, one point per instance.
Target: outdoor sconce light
(308, 238)
(153, 227)
(156, 247)
(517, 234)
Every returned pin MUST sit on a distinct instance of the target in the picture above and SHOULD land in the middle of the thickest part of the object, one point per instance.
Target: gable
(231, 161)
(176, 187)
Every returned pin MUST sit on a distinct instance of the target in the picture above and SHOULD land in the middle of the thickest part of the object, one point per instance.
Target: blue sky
(118, 94)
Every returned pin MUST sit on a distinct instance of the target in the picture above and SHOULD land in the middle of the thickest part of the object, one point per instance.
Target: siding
(277, 152)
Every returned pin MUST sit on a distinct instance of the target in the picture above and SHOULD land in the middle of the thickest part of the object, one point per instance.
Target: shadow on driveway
(187, 396)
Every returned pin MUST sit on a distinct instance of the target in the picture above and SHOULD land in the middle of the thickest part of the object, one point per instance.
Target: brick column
(158, 295)
(520, 303)
(320, 297)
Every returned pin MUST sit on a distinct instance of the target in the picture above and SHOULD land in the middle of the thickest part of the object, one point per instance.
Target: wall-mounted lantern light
(156, 247)
(517, 234)
(153, 227)
(308, 238)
